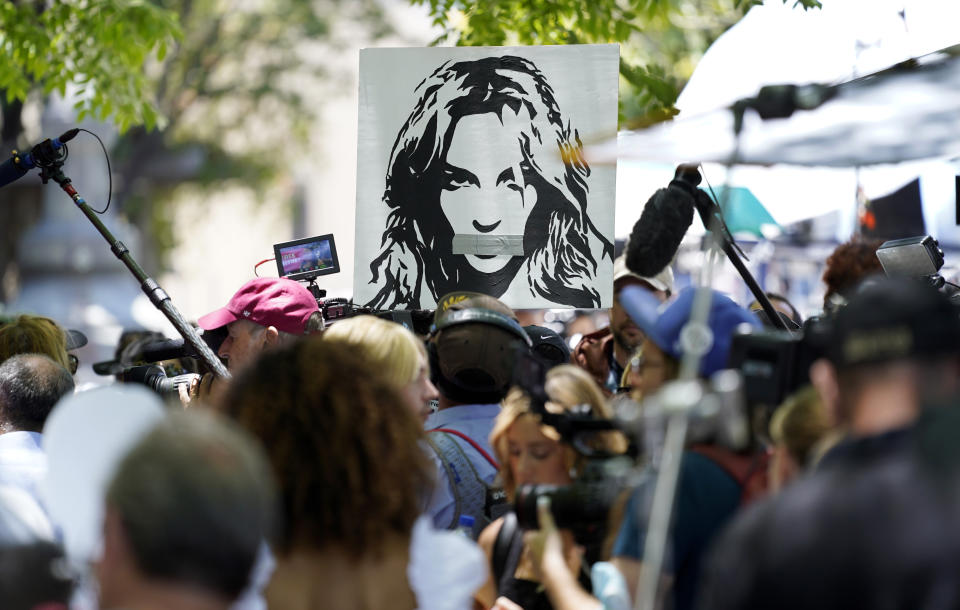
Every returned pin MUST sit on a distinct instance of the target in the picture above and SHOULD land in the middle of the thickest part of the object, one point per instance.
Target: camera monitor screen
(304, 259)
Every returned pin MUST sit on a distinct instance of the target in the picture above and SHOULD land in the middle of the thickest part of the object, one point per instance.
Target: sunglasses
(72, 363)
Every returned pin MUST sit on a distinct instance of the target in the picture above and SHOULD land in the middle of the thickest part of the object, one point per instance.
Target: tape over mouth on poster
(487, 245)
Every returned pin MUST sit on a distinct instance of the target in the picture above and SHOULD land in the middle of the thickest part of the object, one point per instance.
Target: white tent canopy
(779, 43)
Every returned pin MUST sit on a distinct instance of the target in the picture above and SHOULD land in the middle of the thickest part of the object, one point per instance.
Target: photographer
(875, 525)
(472, 350)
(265, 313)
(531, 453)
(605, 353)
(713, 482)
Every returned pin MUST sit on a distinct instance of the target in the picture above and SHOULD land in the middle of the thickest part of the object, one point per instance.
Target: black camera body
(775, 364)
(582, 507)
(154, 377)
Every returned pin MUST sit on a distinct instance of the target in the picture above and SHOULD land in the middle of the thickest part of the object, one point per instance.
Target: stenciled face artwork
(488, 191)
(489, 197)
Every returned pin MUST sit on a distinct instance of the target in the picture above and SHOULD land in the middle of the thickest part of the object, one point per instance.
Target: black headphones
(481, 316)
(451, 387)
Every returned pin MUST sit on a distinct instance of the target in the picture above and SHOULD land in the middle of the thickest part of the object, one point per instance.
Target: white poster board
(470, 175)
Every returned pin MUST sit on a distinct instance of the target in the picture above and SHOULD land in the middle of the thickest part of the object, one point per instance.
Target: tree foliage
(660, 39)
(204, 91)
(98, 47)
(241, 89)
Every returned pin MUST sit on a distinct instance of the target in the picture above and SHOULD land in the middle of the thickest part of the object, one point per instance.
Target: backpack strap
(501, 546)
(473, 444)
(469, 490)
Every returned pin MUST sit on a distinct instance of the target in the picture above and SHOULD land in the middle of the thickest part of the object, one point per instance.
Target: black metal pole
(159, 298)
(710, 216)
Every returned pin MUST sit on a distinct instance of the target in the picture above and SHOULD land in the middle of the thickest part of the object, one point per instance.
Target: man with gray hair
(30, 386)
(263, 314)
(186, 514)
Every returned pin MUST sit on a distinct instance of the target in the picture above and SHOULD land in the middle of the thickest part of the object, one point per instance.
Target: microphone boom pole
(711, 210)
(160, 299)
(712, 218)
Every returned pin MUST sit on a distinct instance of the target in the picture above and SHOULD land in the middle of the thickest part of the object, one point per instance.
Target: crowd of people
(360, 465)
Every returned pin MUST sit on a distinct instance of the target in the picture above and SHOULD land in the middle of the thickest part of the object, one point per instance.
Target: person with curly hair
(504, 214)
(346, 454)
(849, 263)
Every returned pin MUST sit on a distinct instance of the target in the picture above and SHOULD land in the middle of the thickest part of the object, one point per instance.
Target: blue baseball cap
(664, 322)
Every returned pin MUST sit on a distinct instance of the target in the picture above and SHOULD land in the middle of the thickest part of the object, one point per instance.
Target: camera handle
(318, 293)
(159, 298)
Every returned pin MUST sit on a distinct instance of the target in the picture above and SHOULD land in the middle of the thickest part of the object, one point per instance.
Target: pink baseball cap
(267, 301)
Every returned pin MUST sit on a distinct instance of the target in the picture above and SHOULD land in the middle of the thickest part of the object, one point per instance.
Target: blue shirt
(707, 498)
(475, 421)
(23, 462)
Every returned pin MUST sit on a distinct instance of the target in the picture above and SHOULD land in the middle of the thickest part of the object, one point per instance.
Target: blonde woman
(531, 453)
(395, 352)
(799, 429)
(29, 334)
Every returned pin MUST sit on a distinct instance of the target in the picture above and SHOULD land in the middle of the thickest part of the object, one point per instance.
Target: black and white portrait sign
(471, 176)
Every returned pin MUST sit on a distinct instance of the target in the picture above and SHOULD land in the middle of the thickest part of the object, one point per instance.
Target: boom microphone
(657, 234)
(44, 153)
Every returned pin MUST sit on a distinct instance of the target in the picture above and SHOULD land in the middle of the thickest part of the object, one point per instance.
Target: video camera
(584, 506)
(916, 257)
(162, 364)
(774, 363)
(304, 260)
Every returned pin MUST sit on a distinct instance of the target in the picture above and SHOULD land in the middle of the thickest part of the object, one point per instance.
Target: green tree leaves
(99, 47)
(661, 40)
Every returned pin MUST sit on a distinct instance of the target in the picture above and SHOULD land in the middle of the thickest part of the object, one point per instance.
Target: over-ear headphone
(452, 388)
(481, 316)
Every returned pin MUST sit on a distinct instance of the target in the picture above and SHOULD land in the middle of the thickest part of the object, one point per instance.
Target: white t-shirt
(446, 568)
